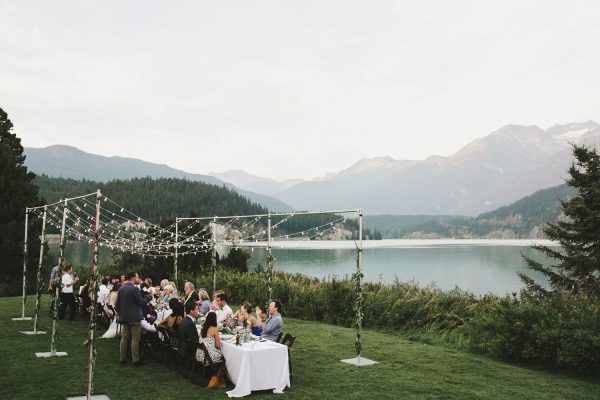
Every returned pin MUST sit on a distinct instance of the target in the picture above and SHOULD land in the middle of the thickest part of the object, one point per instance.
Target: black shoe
(122, 362)
(138, 364)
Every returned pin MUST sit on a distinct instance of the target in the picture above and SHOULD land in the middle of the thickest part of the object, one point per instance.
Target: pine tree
(16, 192)
(577, 262)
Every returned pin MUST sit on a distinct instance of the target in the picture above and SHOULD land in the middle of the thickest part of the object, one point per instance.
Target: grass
(406, 370)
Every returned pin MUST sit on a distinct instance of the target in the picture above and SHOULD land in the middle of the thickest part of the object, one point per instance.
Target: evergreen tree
(16, 192)
(577, 267)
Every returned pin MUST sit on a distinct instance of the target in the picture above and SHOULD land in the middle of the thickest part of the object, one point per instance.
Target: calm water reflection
(481, 267)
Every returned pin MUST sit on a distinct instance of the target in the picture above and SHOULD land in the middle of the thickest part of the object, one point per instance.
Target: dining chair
(203, 371)
(289, 340)
(114, 311)
(186, 358)
(174, 345)
(164, 344)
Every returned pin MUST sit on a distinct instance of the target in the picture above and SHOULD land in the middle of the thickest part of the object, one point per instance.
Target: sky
(292, 89)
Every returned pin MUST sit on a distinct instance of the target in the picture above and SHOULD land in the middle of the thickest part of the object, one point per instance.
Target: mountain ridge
(488, 172)
(65, 161)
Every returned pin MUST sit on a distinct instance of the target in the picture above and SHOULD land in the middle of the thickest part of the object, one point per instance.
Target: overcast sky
(288, 89)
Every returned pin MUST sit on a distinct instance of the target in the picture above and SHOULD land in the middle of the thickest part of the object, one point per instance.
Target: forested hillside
(164, 199)
(155, 199)
(522, 219)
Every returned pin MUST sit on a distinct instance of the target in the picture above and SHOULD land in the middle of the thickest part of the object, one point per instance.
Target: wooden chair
(150, 344)
(164, 344)
(102, 316)
(174, 345)
(203, 371)
(112, 309)
(186, 357)
(279, 337)
(289, 340)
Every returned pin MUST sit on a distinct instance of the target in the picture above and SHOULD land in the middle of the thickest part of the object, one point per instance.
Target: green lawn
(406, 370)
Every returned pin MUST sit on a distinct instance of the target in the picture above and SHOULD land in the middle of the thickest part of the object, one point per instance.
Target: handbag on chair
(217, 381)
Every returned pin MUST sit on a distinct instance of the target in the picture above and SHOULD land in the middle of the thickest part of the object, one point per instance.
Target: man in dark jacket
(187, 327)
(190, 293)
(129, 307)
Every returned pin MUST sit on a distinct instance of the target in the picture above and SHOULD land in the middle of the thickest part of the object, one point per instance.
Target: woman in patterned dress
(211, 339)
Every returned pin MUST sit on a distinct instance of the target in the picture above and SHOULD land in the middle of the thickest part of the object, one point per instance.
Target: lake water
(480, 266)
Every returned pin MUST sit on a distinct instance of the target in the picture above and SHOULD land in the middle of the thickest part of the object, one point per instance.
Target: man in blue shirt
(271, 328)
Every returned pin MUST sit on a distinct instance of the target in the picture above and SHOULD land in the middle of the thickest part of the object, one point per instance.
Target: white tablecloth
(162, 314)
(256, 366)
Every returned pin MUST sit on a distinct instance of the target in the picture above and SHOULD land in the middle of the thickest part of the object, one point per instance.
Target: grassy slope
(407, 370)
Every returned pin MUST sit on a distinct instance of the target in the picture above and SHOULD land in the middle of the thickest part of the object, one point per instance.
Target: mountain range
(490, 172)
(62, 161)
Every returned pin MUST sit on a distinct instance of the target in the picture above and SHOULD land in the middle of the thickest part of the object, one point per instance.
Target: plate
(226, 336)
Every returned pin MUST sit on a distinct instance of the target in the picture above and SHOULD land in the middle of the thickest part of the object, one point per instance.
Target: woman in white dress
(111, 332)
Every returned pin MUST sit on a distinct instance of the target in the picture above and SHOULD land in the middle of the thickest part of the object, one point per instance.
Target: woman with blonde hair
(204, 301)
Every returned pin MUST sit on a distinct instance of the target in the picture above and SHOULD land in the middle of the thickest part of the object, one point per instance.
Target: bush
(553, 329)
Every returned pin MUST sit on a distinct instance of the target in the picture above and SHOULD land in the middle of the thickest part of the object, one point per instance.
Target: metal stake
(269, 260)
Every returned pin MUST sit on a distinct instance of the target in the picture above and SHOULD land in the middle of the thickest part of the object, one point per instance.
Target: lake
(480, 266)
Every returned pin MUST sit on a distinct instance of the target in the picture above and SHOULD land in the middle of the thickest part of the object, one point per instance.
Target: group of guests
(136, 301)
(74, 296)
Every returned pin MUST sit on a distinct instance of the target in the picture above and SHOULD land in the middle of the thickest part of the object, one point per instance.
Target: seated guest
(174, 319)
(147, 307)
(187, 329)
(245, 317)
(215, 301)
(150, 287)
(224, 312)
(163, 283)
(147, 326)
(211, 339)
(271, 328)
(174, 286)
(169, 293)
(190, 293)
(205, 302)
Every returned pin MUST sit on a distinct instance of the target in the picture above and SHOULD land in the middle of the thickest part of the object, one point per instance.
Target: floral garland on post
(270, 276)
(57, 289)
(359, 302)
(92, 329)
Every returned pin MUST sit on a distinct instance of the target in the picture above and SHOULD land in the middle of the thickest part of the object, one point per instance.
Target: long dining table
(256, 365)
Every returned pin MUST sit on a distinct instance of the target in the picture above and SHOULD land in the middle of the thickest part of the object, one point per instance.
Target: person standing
(129, 307)
(67, 298)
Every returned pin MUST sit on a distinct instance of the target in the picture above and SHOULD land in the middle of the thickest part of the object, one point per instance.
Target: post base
(22, 319)
(34, 332)
(360, 361)
(94, 397)
(49, 354)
